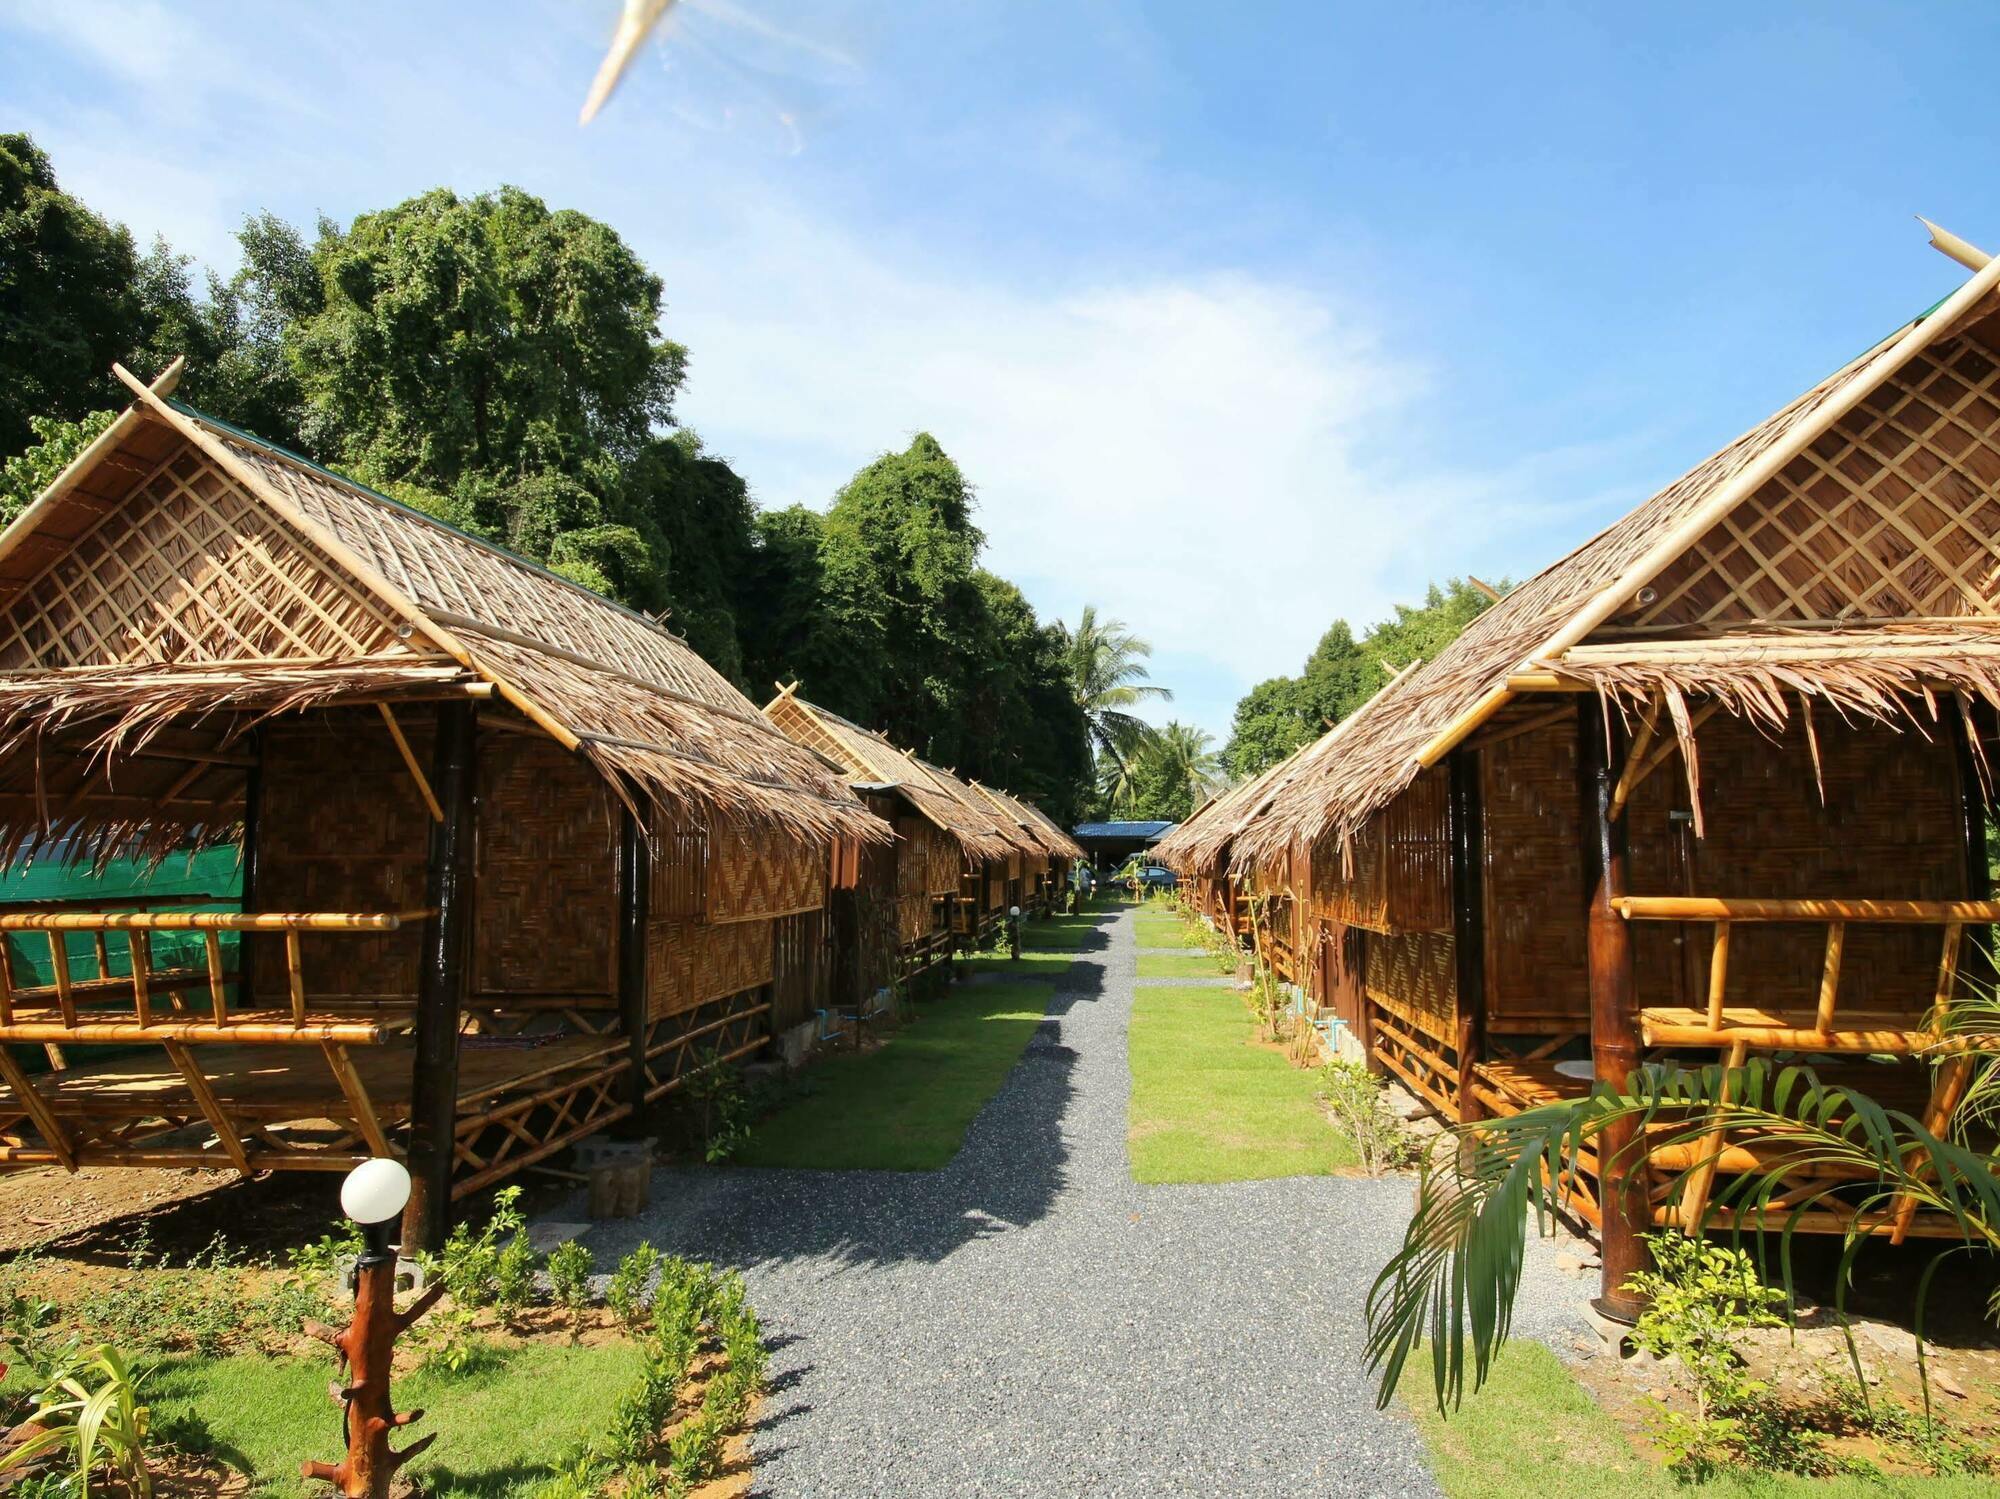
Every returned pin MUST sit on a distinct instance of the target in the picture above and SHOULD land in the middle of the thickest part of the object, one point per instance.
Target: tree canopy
(501, 365)
(1277, 716)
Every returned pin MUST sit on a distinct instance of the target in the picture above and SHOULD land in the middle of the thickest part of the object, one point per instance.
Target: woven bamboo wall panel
(680, 870)
(546, 889)
(689, 963)
(913, 856)
(1401, 866)
(947, 861)
(754, 876)
(996, 886)
(800, 956)
(1888, 828)
(1413, 973)
(1535, 959)
(913, 916)
(190, 568)
(1894, 512)
(342, 827)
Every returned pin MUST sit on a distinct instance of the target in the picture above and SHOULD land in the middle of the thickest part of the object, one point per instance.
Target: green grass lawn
(1043, 965)
(1164, 934)
(1059, 933)
(906, 1106)
(501, 1429)
(1533, 1429)
(1173, 965)
(1209, 1104)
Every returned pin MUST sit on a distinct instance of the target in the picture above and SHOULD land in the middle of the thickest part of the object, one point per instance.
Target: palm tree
(1172, 773)
(1454, 1280)
(1107, 673)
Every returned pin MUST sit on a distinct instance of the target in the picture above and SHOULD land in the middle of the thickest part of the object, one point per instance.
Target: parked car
(1158, 877)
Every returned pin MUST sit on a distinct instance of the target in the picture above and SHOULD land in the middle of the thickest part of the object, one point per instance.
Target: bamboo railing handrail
(1865, 912)
(200, 921)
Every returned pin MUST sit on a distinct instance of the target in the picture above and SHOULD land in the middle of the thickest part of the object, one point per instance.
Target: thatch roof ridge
(1447, 698)
(946, 802)
(632, 698)
(1042, 829)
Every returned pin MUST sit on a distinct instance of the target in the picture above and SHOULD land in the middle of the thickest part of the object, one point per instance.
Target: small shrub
(721, 1105)
(1701, 1298)
(469, 1265)
(1354, 1097)
(446, 1343)
(626, 1295)
(514, 1275)
(570, 1264)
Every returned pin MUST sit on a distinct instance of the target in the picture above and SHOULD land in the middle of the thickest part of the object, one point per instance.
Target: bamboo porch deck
(254, 1080)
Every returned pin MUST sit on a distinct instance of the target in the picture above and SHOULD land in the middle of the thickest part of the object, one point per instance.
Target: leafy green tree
(1277, 716)
(477, 336)
(26, 475)
(69, 300)
(1022, 729)
(1173, 772)
(1108, 672)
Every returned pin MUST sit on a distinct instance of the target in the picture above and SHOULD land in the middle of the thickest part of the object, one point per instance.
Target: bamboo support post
(38, 1110)
(218, 992)
(295, 976)
(410, 762)
(142, 975)
(1829, 978)
(59, 964)
(1695, 1203)
(356, 1093)
(1718, 973)
(210, 1106)
(1948, 1090)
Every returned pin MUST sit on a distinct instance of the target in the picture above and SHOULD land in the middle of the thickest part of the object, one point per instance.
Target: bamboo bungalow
(901, 910)
(1042, 867)
(513, 857)
(1714, 785)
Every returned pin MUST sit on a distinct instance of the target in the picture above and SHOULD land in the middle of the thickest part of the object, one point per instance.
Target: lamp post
(1013, 931)
(373, 1195)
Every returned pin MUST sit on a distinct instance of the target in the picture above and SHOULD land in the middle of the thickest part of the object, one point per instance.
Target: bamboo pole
(52, 1132)
(410, 762)
(1718, 973)
(1829, 977)
(194, 1032)
(1862, 912)
(356, 1092)
(210, 1106)
(1695, 1202)
(197, 921)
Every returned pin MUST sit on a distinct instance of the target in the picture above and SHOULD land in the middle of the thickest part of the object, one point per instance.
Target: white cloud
(1192, 453)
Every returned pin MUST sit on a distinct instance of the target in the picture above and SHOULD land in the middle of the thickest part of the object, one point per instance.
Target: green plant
(469, 1265)
(721, 1105)
(1455, 1278)
(1700, 1299)
(446, 1343)
(514, 1275)
(93, 1427)
(1353, 1097)
(569, 1274)
(626, 1294)
(322, 1257)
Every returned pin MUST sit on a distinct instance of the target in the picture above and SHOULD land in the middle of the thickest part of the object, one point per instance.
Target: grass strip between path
(1533, 1429)
(1209, 1104)
(501, 1428)
(906, 1106)
(1194, 965)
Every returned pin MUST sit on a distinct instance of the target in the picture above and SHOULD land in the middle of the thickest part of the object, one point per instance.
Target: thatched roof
(1044, 834)
(183, 569)
(1871, 497)
(869, 759)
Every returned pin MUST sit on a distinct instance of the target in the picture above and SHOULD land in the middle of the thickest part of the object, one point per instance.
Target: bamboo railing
(59, 1012)
(1722, 1024)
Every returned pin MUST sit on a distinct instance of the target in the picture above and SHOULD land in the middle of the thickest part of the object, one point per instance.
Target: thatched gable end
(182, 570)
(1868, 501)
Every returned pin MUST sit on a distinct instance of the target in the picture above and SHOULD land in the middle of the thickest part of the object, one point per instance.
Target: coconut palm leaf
(1455, 1278)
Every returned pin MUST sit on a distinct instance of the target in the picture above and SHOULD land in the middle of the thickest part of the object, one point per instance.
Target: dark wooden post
(1467, 824)
(1977, 966)
(1614, 1013)
(634, 902)
(441, 979)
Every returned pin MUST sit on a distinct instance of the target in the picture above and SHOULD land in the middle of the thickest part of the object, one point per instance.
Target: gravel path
(1029, 1321)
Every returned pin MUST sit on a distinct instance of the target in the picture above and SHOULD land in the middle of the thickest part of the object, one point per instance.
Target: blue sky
(1241, 318)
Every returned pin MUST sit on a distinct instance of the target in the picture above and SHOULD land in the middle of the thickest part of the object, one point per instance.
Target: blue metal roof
(1146, 830)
